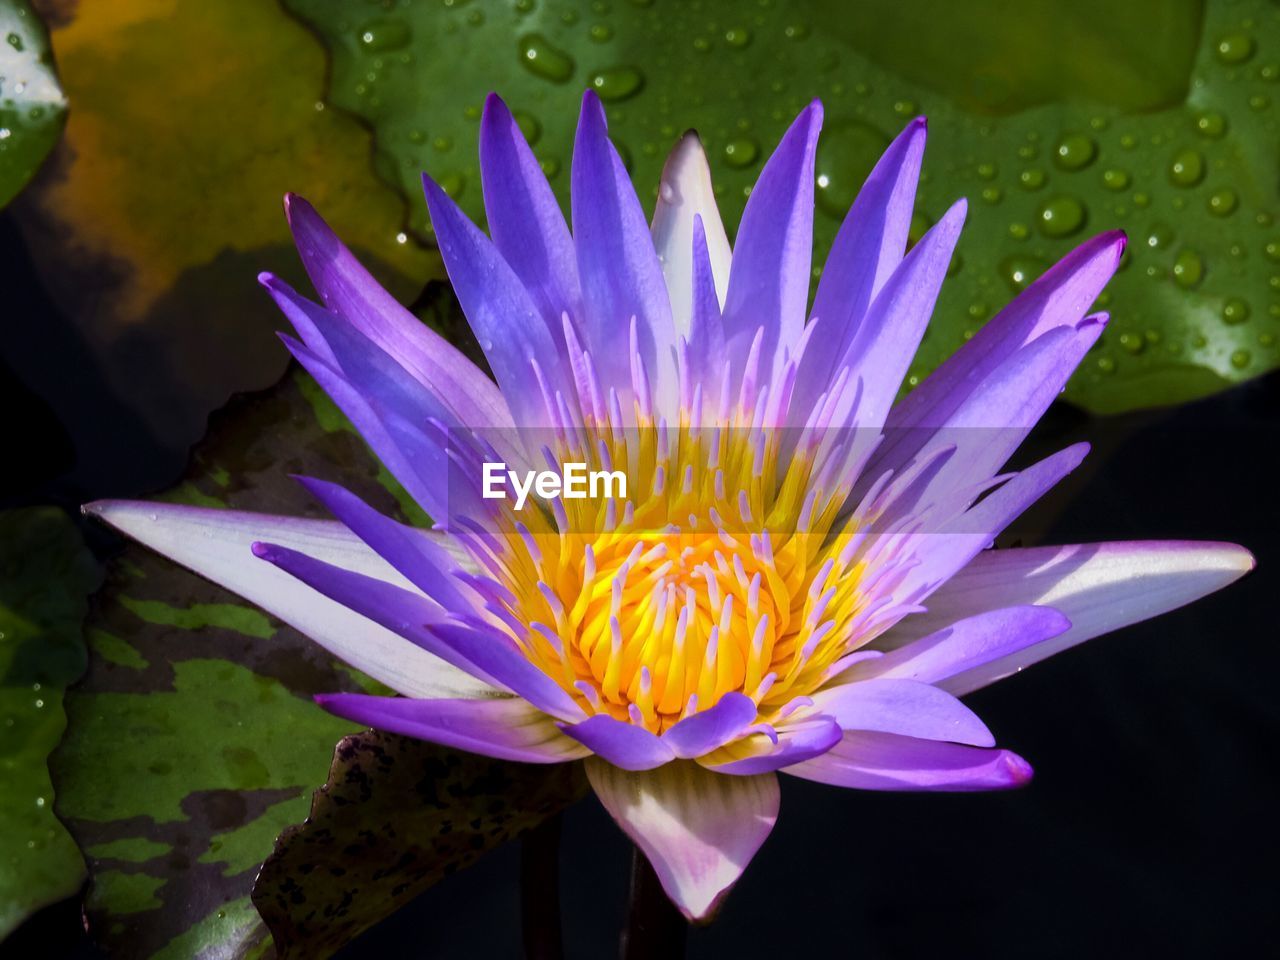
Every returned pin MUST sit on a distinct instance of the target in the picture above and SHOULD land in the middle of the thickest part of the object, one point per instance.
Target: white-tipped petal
(1099, 587)
(685, 192)
(216, 545)
(699, 829)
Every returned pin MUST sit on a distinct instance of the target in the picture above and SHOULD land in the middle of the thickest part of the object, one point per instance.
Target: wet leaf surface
(149, 225)
(395, 817)
(32, 107)
(1056, 120)
(46, 576)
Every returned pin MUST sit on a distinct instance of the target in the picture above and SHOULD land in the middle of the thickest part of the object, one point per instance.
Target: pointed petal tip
(592, 105)
(298, 207)
(1020, 772)
(1242, 558)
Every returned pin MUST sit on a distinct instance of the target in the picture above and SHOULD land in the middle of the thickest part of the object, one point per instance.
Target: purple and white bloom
(798, 578)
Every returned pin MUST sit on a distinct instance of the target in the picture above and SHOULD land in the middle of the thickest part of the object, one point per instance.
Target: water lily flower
(799, 578)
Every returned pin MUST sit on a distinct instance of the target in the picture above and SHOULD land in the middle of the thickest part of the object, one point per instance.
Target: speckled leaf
(193, 741)
(150, 223)
(396, 816)
(32, 107)
(46, 575)
(1058, 118)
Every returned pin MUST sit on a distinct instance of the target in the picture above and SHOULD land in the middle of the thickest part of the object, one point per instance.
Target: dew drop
(1211, 125)
(1061, 216)
(453, 184)
(1241, 359)
(543, 59)
(847, 152)
(1106, 364)
(1114, 179)
(1019, 231)
(1235, 311)
(1272, 250)
(377, 36)
(1223, 202)
(601, 33)
(737, 37)
(1160, 236)
(1032, 179)
(1234, 48)
(617, 83)
(992, 194)
(1075, 152)
(1188, 268)
(1187, 169)
(1133, 342)
(1259, 101)
(741, 152)
(1019, 271)
(987, 171)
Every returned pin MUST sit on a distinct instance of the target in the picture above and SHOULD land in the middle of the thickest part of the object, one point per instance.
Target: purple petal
(1056, 300)
(484, 654)
(964, 645)
(884, 345)
(373, 372)
(905, 707)
(624, 745)
(706, 730)
(990, 425)
(619, 269)
(503, 727)
(215, 544)
(1099, 587)
(415, 553)
(705, 356)
(885, 761)
(525, 220)
(349, 291)
(698, 829)
(508, 326)
(684, 196)
(420, 465)
(866, 251)
(942, 553)
(769, 280)
(799, 741)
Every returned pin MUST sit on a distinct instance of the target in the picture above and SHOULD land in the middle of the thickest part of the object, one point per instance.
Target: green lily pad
(193, 741)
(1057, 118)
(46, 576)
(32, 107)
(148, 227)
(395, 817)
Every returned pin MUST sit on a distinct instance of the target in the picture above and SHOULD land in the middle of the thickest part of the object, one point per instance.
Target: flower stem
(654, 926)
(540, 891)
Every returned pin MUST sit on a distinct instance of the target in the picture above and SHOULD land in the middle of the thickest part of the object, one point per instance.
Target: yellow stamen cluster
(719, 573)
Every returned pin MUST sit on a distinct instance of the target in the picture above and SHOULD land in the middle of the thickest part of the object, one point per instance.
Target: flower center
(653, 608)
